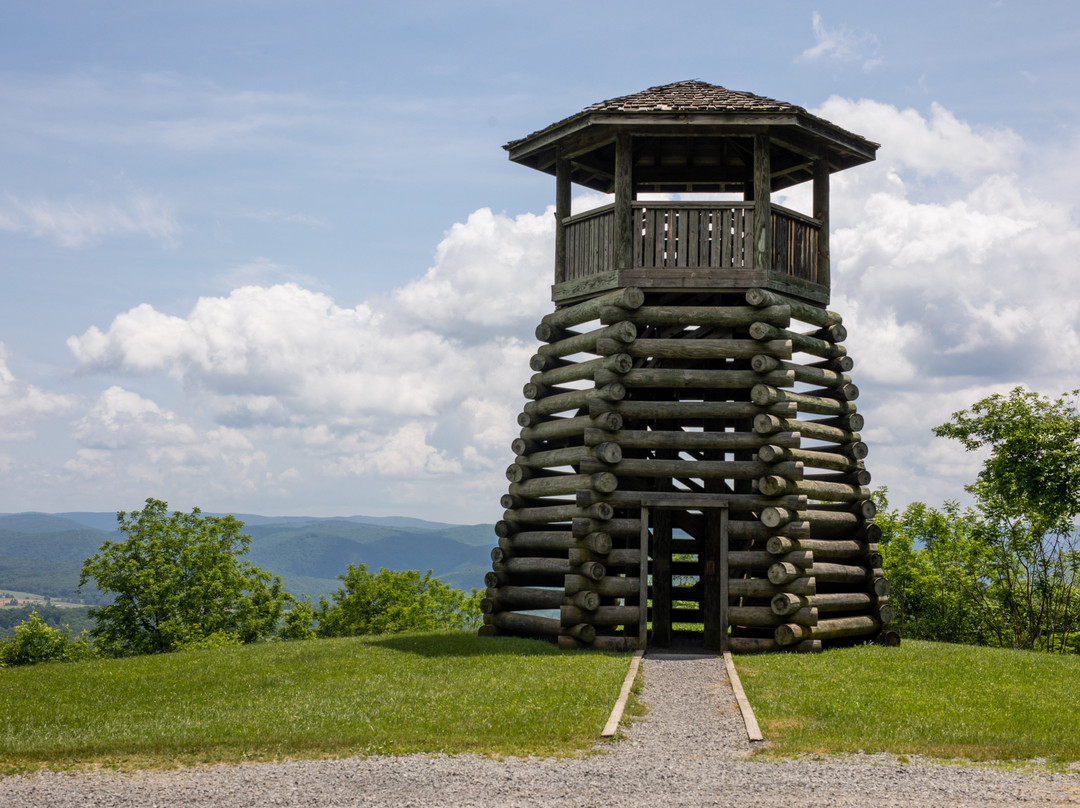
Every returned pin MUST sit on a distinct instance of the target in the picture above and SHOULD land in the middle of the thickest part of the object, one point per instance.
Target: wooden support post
(562, 212)
(624, 195)
(661, 578)
(714, 580)
(725, 582)
(821, 213)
(763, 258)
(643, 575)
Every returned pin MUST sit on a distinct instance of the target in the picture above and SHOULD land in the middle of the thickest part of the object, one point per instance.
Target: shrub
(35, 641)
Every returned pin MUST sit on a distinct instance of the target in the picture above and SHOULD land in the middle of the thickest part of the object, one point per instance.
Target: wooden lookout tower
(690, 459)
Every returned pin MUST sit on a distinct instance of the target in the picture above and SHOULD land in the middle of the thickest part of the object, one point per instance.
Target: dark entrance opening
(685, 593)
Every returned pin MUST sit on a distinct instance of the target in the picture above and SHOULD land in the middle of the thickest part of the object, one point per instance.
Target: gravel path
(690, 750)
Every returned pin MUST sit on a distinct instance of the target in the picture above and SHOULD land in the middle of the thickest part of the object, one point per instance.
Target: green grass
(436, 692)
(945, 701)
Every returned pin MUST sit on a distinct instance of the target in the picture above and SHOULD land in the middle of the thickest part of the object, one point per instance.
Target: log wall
(739, 399)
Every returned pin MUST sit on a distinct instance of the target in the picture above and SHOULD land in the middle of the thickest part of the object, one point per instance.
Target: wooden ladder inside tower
(682, 502)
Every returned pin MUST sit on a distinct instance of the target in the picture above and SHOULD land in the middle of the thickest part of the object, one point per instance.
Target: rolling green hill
(43, 553)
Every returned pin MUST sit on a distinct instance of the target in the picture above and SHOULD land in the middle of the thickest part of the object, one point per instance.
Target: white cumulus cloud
(22, 404)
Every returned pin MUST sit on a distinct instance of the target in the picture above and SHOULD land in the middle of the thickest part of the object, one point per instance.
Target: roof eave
(589, 130)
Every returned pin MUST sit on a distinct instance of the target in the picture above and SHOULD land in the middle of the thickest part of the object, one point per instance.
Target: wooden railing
(703, 235)
(795, 244)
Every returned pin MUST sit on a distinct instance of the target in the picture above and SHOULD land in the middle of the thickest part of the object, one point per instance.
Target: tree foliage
(177, 581)
(1029, 494)
(1007, 572)
(1032, 476)
(389, 602)
(936, 563)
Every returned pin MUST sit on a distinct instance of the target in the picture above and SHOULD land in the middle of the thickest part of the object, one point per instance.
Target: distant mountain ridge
(43, 553)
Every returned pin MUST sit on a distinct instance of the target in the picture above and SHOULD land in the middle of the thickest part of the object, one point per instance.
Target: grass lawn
(948, 701)
(433, 692)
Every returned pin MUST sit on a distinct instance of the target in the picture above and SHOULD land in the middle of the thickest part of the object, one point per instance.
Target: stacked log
(851, 597)
(693, 398)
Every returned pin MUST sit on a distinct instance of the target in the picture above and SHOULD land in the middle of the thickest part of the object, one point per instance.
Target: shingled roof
(691, 96)
(687, 135)
(679, 97)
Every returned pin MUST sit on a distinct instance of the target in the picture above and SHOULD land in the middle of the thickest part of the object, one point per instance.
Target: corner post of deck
(624, 196)
(562, 212)
(762, 203)
(821, 213)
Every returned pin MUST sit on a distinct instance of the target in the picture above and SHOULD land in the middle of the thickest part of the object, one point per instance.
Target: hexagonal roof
(691, 135)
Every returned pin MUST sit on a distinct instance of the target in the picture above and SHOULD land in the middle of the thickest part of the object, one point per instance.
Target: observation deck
(699, 245)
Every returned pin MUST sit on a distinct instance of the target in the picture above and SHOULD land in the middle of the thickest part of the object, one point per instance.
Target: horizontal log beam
(690, 410)
(763, 617)
(555, 540)
(690, 440)
(562, 428)
(508, 598)
(760, 559)
(844, 601)
(839, 573)
(823, 549)
(774, 486)
(572, 400)
(516, 518)
(774, 453)
(765, 394)
(701, 469)
(603, 616)
(702, 379)
(618, 528)
(625, 299)
(803, 311)
(767, 361)
(526, 623)
(695, 348)
(734, 502)
(761, 645)
(567, 484)
(720, 316)
(763, 588)
(607, 452)
(799, 342)
(579, 371)
(866, 625)
(586, 343)
(611, 586)
(767, 424)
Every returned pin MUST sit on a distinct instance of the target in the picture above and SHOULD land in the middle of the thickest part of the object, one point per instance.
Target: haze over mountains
(43, 553)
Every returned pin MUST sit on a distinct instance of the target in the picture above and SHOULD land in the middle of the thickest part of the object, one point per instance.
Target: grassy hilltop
(454, 692)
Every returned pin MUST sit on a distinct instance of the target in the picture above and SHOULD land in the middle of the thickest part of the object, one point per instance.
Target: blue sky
(270, 256)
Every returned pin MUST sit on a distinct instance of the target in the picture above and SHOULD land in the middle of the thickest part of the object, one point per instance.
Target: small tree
(937, 563)
(177, 579)
(390, 602)
(36, 641)
(1029, 495)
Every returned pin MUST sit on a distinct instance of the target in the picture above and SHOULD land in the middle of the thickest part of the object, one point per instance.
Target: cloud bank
(951, 255)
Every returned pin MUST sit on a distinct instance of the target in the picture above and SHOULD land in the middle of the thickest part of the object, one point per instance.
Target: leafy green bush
(57, 617)
(390, 602)
(938, 566)
(35, 641)
(298, 622)
(177, 579)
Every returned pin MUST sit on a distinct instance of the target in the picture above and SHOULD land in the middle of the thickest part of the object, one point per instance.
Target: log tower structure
(689, 459)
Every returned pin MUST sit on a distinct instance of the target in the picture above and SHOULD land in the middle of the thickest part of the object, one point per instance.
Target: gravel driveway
(690, 750)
